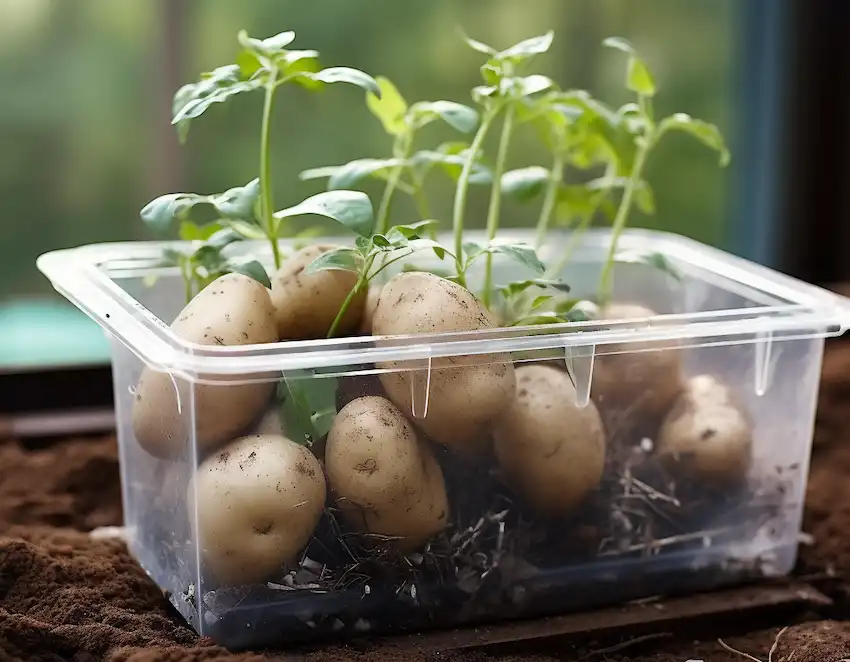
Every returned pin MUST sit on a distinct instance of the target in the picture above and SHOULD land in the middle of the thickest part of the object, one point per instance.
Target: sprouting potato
(372, 297)
(707, 434)
(307, 305)
(633, 381)
(259, 499)
(464, 393)
(550, 450)
(232, 310)
(382, 476)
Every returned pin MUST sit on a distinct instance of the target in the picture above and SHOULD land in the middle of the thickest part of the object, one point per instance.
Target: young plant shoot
(407, 171)
(249, 210)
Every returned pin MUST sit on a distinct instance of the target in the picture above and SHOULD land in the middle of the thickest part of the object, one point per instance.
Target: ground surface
(65, 596)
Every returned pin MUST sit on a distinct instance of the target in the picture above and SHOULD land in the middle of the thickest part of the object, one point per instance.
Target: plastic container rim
(789, 306)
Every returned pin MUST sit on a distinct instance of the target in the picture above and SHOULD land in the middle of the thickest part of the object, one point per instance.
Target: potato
(307, 305)
(259, 501)
(372, 297)
(382, 476)
(232, 310)
(465, 393)
(550, 450)
(636, 385)
(707, 434)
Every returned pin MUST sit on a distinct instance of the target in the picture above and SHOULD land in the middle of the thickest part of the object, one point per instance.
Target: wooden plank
(654, 615)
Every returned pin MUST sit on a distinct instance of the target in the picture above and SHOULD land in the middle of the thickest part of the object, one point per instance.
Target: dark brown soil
(66, 596)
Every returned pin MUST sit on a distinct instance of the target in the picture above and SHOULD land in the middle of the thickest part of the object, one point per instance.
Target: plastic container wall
(623, 459)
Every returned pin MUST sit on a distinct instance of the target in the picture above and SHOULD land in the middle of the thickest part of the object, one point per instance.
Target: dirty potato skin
(638, 385)
(260, 500)
(232, 310)
(382, 476)
(551, 450)
(465, 393)
(307, 305)
(707, 434)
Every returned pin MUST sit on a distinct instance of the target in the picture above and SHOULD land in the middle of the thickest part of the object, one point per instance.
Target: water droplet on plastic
(131, 390)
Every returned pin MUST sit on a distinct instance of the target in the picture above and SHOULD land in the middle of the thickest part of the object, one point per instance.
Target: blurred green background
(86, 87)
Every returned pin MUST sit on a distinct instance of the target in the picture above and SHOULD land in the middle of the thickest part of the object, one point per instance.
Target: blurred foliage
(85, 89)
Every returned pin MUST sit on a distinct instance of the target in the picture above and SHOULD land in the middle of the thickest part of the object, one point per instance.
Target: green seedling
(502, 92)
(372, 254)
(637, 122)
(265, 65)
(406, 170)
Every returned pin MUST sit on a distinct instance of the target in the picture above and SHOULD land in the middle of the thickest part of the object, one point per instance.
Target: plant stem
(496, 200)
(605, 284)
(463, 187)
(401, 150)
(267, 204)
(557, 176)
(361, 281)
(345, 305)
(575, 237)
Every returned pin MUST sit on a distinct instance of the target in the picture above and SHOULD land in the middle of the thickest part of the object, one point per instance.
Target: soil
(65, 595)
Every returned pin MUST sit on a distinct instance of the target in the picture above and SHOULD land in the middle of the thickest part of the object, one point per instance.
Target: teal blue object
(47, 333)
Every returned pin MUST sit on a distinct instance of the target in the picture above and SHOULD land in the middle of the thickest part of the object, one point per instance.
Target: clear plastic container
(657, 521)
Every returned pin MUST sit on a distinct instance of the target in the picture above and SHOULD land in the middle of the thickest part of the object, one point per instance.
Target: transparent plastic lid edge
(812, 312)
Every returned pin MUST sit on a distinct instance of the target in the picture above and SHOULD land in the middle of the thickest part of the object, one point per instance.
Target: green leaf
(481, 94)
(210, 258)
(294, 63)
(353, 209)
(248, 63)
(245, 228)
(159, 213)
(224, 237)
(707, 133)
(344, 258)
(389, 107)
(381, 241)
(517, 287)
(471, 249)
(526, 86)
(190, 231)
(653, 259)
(266, 47)
(215, 87)
(308, 407)
(539, 301)
(250, 268)
(577, 310)
(183, 96)
(476, 45)
(492, 72)
(238, 202)
(349, 174)
(279, 41)
(525, 183)
(522, 253)
(456, 115)
(344, 75)
(411, 230)
(527, 48)
(364, 245)
(638, 77)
